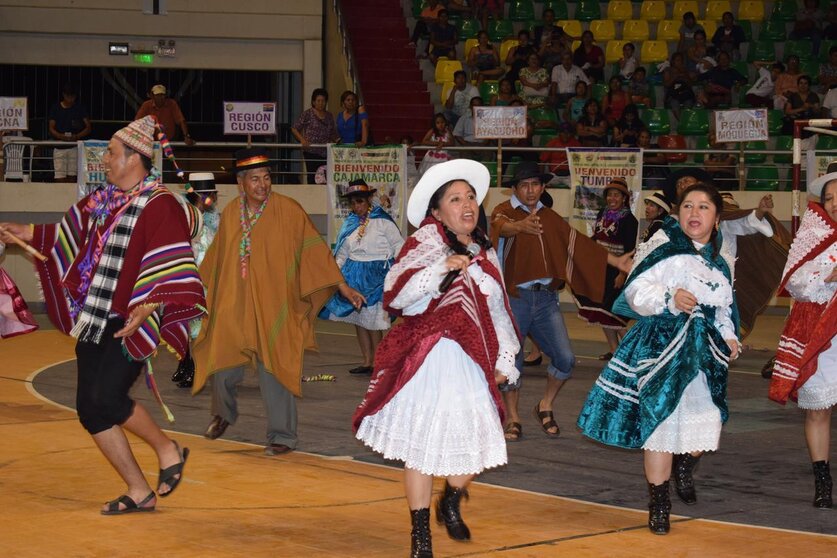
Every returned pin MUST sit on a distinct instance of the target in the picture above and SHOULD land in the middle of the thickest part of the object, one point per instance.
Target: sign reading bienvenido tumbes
(13, 113)
(499, 122)
(255, 119)
(741, 125)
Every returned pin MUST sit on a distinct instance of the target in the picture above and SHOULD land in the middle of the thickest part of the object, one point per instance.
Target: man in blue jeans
(540, 253)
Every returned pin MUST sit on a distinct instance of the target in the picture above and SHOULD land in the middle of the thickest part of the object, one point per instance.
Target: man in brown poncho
(267, 274)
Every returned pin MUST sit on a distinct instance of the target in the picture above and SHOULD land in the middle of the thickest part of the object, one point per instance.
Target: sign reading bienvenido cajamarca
(741, 125)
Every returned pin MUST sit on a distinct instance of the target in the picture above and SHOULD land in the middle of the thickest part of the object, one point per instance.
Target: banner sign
(499, 122)
(741, 125)
(91, 169)
(14, 113)
(255, 119)
(383, 168)
(591, 170)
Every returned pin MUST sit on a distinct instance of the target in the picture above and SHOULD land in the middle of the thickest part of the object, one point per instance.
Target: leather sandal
(541, 415)
(169, 475)
(513, 432)
(130, 506)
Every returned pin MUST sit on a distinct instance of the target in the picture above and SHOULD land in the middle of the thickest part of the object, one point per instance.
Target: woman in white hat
(433, 401)
(806, 360)
(656, 209)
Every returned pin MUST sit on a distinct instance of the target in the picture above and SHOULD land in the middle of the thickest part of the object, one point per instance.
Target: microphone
(472, 251)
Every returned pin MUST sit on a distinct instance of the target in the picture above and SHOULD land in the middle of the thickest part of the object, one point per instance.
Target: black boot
(659, 508)
(447, 512)
(185, 373)
(767, 369)
(684, 484)
(422, 545)
(822, 484)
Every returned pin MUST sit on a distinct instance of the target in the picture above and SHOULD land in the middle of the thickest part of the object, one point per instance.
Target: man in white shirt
(830, 103)
(458, 102)
(564, 77)
(762, 92)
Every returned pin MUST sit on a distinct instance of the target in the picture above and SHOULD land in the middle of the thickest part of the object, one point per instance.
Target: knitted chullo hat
(139, 135)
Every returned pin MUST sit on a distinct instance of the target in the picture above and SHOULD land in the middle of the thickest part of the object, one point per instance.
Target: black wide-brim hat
(251, 158)
(358, 187)
(525, 171)
(670, 187)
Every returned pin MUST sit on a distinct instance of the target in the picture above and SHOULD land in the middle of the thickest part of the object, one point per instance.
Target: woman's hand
(833, 277)
(684, 301)
(23, 232)
(457, 262)
(619, 281)
(500, 378)
(351, 295)
(734, 348)
(765, 206)
(135, 319)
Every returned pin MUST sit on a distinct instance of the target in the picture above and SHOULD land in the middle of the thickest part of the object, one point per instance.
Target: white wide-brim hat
(815, 187)
(474, 173)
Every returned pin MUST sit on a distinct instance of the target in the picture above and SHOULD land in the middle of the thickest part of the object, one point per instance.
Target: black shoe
(360, 370)
(606, 356)
(216, 428)
(535, 362)
(822, 485)
(682, 469)
(447, 512)
(767, 369)
(185, 370)
(659, 508)
(422, 545)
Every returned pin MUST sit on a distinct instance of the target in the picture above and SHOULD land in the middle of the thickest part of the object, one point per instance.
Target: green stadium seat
(587, 10)
(762, 51)
(825, 142)
(545, 119)
(693, 122)
(468, 29)
(784, 143)
(701, 143)
(747, 27)
(521, 10)
(751, 152)
(499, 29)
(598, 91)
(825, 46)
(418, 6)
(773, 30)
(762, 178)
(811, 68)
(492, 172)
(784, 10)
(656, 120)
(742, 67)
(774, 121)
(804, 49)
(488, 89)
(559, 7)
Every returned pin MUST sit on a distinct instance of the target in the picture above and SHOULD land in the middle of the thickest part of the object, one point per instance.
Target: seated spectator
(518, 56)
(575, 106)
(592, 126)
(463, 133)
(762, 92)
(439, 136)
(678, 81)
(696, 54)
(505, 95)
(485, 8)
(628, 62)
(722, 166)
(535, 82)
(639, 90)
(530, 154)
(556, 161)
(484, 60)
(615, 101)
(626, 130)
(549, 31)
(802, 105)
(688, 29)
(720, 82)
(551, 51)
(564, 78)
(729, 36)
(808, 24)
(443, 39)
(458, 101)
(786, 83)
(655, 169)
(590, 57)
(428, 16)
(828, 71)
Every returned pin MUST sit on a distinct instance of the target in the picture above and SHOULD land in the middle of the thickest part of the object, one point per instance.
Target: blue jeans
(537, 313)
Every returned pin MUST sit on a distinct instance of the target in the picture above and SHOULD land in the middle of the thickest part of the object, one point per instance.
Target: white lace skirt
(820, 391)
(695, 424)
(443, 422)
(369, 317)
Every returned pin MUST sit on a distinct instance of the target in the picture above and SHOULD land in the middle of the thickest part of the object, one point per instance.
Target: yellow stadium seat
(715, 9)
(668, 30)
(469, 44)
(635, 30)
(603, 29)
(613, 51)
(571, 27)
(652, 10)
(445, 69)
(709, 25)
(653, 51)
(505, 47)
(576, 44)
(620, 10)
(683, 6)
(751, 10)
(446, 89)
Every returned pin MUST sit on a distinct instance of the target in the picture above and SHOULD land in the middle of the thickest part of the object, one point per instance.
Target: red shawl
(811, 326)
(460, 314)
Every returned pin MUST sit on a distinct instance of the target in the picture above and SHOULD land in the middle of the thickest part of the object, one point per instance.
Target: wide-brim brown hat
(619, 184)
(358, 187)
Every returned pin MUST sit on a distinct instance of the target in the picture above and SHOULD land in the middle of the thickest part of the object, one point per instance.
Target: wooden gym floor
(333, 497)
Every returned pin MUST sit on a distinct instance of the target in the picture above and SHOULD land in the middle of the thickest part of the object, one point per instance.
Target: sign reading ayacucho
(256, 119)
(499, 122)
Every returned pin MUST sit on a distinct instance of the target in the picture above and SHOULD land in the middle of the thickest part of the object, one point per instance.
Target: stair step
(394, 74)
(374, 96)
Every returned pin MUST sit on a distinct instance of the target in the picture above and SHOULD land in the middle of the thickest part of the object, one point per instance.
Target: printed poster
(91, 169)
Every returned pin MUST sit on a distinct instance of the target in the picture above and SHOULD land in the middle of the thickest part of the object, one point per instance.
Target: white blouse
(807, 284)
(380, 241)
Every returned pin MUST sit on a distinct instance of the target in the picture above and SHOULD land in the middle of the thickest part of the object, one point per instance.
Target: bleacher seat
(751, 152)
(505, 47)
(468, 29)
(825, 46)
(488, 89)
(613, 50)
(603, 29)
(598, 91)
(571, 27)
(693, 122)
(709, 26)
(811, 68)
(446, 89)
(762, 51)
(445, 69)
(742, 67)
(774, 121)
(676, 143)
(620, 10)
(773, 30)
(636, 30)
(492, 172)
(557, 6)
(418, 6)
(521, 10)
(668, 30)
(803, 48)
(747, 28)
(587, 10)
(784, 143)
(715, 9)
(499, 29)
(762, 178)
(652, 10)
(751, 10)
(682, 6)
(543, 115)
(784, 10)
(469, 44)
(701, 143)
(824, 142)
(653, 51)
(15, 156)
(657, 121)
